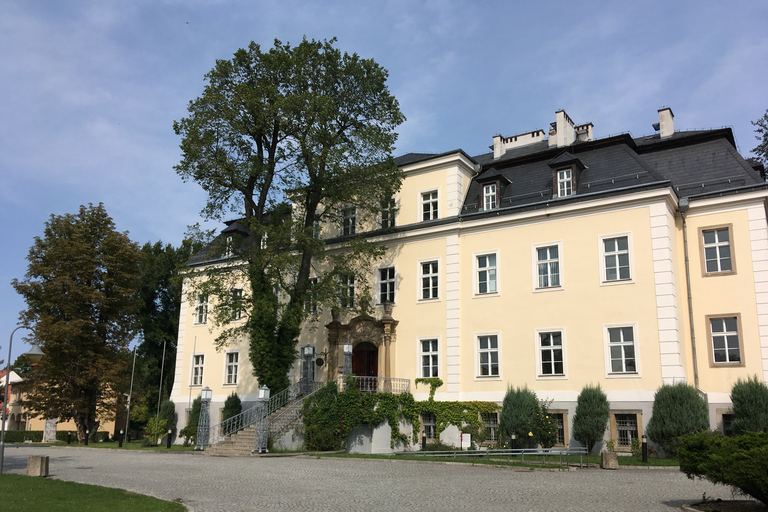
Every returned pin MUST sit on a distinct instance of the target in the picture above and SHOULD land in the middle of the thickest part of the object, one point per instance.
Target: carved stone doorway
(365, 360)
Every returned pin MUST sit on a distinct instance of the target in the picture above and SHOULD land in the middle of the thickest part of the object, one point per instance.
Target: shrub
(750, 406)
(232, 406)
(168, 413)
(189, 433)
(154, 431)
(518, 415)
(736, 461)
(677, 410)
(544, 427)
(591, 418)
(20, 436)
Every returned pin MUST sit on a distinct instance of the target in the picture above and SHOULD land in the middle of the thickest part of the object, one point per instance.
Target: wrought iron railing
(290, 414)
(378, 384)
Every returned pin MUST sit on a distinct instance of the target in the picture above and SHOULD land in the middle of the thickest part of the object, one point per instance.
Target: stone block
(37, 466)
(610, 460)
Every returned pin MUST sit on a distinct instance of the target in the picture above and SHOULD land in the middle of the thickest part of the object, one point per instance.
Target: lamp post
(307, 376)
(261, 442)
(514, 441)
(645, 448)
(203, 424)
(347, 359)
(34, 354)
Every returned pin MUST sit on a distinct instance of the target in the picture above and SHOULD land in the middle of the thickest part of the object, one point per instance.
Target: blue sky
(90, 89)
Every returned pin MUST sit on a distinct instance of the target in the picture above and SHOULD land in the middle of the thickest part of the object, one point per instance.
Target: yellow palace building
(555, 261)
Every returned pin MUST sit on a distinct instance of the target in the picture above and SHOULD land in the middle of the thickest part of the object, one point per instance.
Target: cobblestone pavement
(207, 484)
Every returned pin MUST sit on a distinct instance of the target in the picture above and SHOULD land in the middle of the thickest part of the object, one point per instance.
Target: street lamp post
(347, 359)
(261, 442)
(34, 354)
(203, 423)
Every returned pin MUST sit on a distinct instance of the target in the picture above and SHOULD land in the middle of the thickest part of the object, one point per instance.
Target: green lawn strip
(32, 494)
(464, 460)
(128, 446)
(638, 461)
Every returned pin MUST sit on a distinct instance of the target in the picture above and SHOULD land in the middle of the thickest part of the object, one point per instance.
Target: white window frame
(539, 359)
(393, 282)
(717, 245)
(237, 297)
(434, 211)
(193, 374)
(535, 266)
(201, 309)
(609, 373)
(420, 355)
(344, 287)
(228, 247)
(420, 288)
(227, 365)
(477, 269)
(348, 222)
(489, 196)
(603, 268)
(564, 182)
(478, 373)
(725, 334)
(391, 211)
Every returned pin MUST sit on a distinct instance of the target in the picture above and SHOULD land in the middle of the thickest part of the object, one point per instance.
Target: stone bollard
(610, 460)
(37, 466)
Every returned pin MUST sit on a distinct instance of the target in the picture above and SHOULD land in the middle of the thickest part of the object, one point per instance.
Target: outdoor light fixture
(645, 448)
(203, 422)
(348, 349)
(263, 393)
(308, 351)
(206, 393)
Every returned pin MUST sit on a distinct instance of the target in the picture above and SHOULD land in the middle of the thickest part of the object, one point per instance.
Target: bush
(189, 433)
(232, 406)
(591, 418)
(750, 406)
(20, 436)
(168, 413)
(736, 461)
(518, 415)
(544, 427)
(677, 410)
(154, 431)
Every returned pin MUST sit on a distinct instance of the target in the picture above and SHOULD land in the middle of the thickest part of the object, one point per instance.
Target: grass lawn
(135, 445)
(32, 494)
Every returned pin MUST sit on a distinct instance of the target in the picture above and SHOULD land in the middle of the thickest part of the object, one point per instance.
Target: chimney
(561, 132)
(498, 146)
(666, 122)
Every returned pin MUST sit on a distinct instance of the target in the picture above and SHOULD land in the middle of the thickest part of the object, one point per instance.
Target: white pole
(128, 417)
(159, 391)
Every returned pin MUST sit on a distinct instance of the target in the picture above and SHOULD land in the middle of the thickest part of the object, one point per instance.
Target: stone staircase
(239, 444)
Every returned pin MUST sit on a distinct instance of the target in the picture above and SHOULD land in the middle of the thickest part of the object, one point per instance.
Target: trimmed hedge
(739, 461)
(36, 436)
(677, 410)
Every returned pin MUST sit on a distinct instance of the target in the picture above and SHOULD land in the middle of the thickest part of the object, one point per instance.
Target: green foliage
(761, 131)
(750, 405)
(591, 418)
(432, 382)
(21, 436)
(154, 430)
(189, 432)
(80, 290)
(168, 414)
(232, 406)
(461, 414)
(677, 410)
(637, 448)
(308, 124)
(738, 461)
(518, 415)
(544, 427)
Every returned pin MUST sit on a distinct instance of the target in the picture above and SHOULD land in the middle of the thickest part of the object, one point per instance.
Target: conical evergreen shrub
(678, 410)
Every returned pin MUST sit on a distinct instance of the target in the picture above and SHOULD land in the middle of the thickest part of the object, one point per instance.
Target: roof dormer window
(489, 196)
(564, 182)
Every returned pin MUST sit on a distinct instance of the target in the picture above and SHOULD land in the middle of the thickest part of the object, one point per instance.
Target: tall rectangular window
(429, 205)
(429, 280)
(430, 425)
(237, 303)
(228, 247)
(626, 429)
(198, 361)
(388, 214)
(310, 300)
(386, 285)
(717, 250)
(201, 309)
(348, 221)
(491, 424)
(347, 292)
(233, 363)
(621, 343)
(551, 349)
(725, 344)
(548, 266)
(486, 273)
(489, 197)
(488, 356)
(564, 183)
(616, 258)
(429, 358)
(559, 418)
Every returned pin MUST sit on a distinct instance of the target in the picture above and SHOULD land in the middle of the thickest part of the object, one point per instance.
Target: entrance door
(365, 363)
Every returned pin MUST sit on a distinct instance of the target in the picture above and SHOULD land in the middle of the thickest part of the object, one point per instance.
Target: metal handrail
(377, 384)
(543, 452)
(292, 412)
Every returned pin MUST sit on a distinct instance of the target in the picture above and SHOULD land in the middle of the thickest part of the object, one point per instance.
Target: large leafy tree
(282, 140)
(761, 131)
(80, 289)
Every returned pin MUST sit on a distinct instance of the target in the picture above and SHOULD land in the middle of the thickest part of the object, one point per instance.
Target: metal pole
(128, 416)
(160, 390)
(645, 448)
(5, 400)
(203, 424)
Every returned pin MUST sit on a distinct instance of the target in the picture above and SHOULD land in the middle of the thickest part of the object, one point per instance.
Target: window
(201, 309)
(310, 300)
(308, 364)
(551, 352)
(564, 183)
(347, 292)
(428, 420)
(488, 356)
(197, 369)
(621, 346)
(489, 197)
(717, 250)
(429, 205)
(388, 214)
(386, 285)
(491, 424)
(625, 426)
(486, 274)
(728, 425)
(559, 418)
(228, 248)
(548, 266)
(237, 303)
(429, 359)
(429, 280)
(233, 362)
(725, 343)
(348, 222)
(316, 229)
(616, 259)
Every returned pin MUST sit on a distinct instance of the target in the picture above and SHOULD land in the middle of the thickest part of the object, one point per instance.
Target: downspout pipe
(682, 207)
